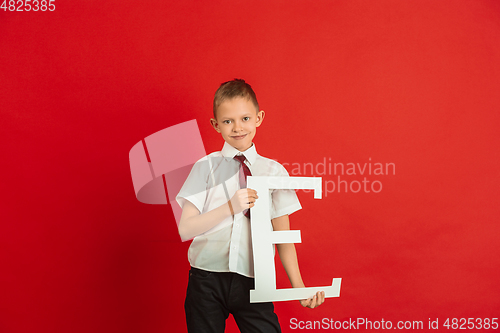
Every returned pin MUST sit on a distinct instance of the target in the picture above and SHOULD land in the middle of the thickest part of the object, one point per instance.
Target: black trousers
(212, 296)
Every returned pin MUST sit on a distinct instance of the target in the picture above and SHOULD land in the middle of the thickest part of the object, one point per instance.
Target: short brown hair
(232, 89)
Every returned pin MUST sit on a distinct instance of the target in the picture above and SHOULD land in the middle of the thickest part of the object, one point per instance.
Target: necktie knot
(243, 167)
(240, 158)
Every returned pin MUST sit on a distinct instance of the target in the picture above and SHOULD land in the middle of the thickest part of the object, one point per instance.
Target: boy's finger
(251, 193)
(321, 298)
(313, 302)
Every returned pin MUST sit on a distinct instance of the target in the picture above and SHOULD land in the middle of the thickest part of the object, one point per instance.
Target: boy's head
(233, 89)
(236, 113)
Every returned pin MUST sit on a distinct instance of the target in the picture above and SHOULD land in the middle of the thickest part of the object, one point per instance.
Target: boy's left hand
(314, 302)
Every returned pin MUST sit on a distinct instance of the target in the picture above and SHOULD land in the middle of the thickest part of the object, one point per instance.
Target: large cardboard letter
(264, 238)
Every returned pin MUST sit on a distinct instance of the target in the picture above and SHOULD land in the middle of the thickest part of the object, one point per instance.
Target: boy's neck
(244, 149)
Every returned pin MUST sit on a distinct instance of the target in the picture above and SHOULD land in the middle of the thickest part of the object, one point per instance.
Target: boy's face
(237, 121)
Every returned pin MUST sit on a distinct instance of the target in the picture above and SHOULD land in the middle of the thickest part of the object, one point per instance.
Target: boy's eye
(246, 118)
(227, 121)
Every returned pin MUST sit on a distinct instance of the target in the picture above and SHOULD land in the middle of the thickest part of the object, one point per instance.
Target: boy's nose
(237, 127)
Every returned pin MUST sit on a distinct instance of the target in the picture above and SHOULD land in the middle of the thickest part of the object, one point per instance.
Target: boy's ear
(215, 124)
(260, 117)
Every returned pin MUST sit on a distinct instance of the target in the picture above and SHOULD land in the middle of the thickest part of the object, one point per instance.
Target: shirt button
(234, 247)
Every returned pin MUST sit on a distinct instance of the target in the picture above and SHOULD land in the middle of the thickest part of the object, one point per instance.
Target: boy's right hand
(243, 199)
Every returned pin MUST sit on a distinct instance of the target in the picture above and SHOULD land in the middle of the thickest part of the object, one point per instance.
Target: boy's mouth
(238, 137)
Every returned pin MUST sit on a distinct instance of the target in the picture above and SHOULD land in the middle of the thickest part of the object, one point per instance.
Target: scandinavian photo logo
(340, 177)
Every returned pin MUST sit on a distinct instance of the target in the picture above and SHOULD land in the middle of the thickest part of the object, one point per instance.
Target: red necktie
(243, 177)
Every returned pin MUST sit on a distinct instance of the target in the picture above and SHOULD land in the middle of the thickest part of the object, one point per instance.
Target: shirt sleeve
(194, 189)
(284, 202)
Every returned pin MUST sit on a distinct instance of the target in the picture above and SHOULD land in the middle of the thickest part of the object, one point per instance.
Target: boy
(215, 211)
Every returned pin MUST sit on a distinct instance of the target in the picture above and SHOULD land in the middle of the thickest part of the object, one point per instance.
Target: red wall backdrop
(414, 83)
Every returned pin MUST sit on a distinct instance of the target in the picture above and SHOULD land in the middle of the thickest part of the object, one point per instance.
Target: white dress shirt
(213, 181)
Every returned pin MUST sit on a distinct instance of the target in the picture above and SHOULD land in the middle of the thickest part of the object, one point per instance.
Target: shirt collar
(250, 154)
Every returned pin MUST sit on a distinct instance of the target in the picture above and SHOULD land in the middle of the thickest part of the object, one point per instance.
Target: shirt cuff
(193, 200)
(286, 211)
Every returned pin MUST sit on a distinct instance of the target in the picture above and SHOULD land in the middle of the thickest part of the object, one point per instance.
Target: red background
(414, 83)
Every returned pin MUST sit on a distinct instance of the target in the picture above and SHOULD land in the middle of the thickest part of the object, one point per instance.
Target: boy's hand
(243, 199)
(314, 302)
